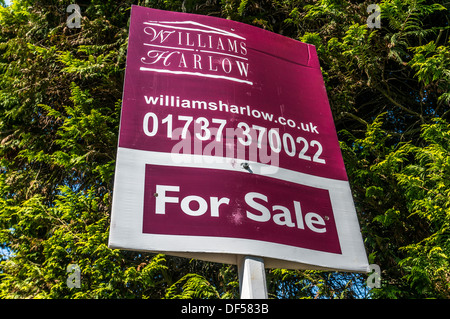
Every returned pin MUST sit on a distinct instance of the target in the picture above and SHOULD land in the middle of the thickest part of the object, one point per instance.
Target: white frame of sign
(127, 218)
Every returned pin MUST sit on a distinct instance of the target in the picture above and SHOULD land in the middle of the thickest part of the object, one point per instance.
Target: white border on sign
(128, 206)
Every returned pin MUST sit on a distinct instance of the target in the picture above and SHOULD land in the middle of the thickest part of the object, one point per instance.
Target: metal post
(252, 277)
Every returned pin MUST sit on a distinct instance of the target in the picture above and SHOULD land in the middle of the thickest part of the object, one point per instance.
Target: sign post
(227, 148)
(252, 277)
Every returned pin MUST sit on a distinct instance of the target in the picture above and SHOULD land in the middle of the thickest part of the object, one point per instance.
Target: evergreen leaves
(60, 99)
(408, 191)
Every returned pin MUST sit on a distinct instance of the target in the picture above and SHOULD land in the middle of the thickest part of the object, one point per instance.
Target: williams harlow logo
(194, 49)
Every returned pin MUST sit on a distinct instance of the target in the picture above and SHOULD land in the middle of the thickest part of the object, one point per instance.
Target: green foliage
(432, 66)
(50, 239)
(60, 97)
(314, 284)
(405, 208)
(192, 286)
(426, 183)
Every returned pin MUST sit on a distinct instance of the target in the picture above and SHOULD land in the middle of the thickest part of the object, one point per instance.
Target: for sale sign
(227, 147)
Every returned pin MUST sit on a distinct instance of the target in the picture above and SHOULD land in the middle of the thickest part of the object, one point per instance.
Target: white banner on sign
(126, 228)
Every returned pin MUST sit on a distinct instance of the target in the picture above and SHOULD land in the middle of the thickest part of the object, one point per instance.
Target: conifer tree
(60, 100)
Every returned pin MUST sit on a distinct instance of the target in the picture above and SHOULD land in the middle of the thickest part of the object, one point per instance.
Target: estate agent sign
(227, 147)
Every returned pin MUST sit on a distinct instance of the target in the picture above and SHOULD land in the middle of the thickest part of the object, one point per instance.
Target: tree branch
(399, 105)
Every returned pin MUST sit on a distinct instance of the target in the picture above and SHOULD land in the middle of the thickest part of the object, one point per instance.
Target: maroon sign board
(227, 147)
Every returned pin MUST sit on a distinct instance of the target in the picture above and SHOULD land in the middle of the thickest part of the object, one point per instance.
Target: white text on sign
(256, 201)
